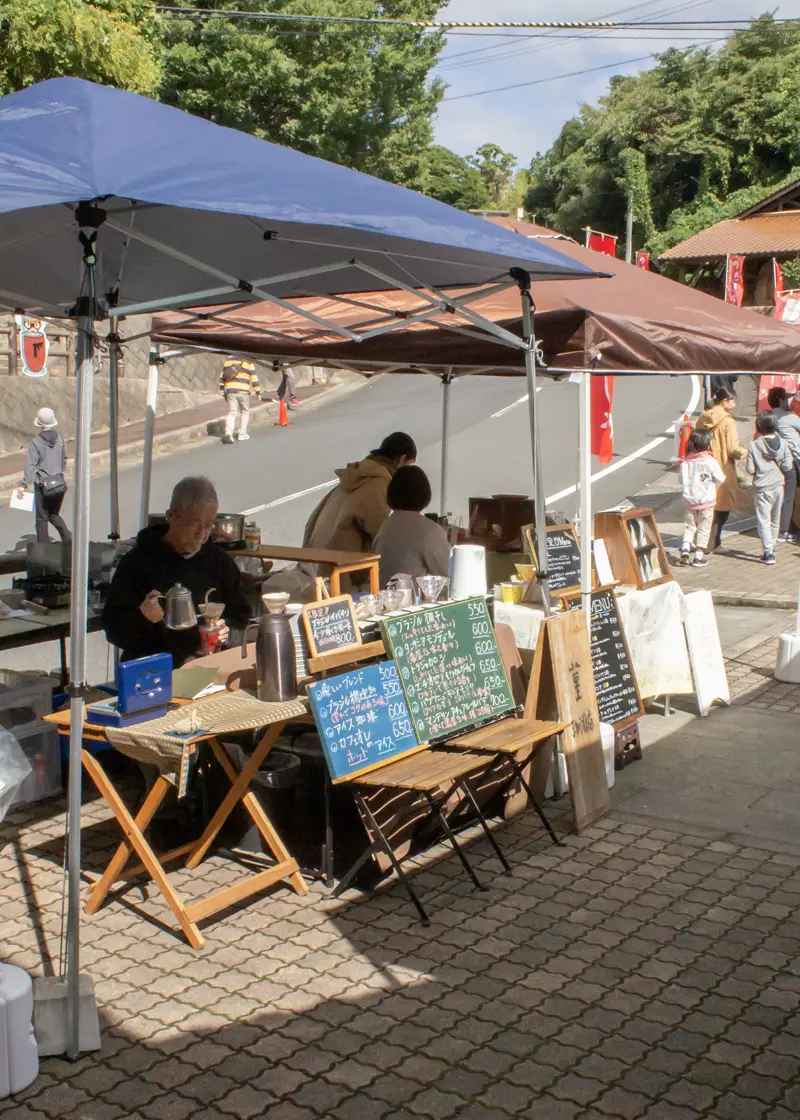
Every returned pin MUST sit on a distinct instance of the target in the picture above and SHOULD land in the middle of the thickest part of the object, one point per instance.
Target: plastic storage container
(24, 699)
(40, 745)
(16, 1008)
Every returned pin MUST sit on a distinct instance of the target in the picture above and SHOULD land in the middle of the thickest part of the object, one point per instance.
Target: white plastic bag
(14, 769)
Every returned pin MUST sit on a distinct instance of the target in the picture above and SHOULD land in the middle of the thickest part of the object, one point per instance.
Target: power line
(552, 78)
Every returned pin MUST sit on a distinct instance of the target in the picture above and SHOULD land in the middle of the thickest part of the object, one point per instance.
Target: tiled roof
(762, 235)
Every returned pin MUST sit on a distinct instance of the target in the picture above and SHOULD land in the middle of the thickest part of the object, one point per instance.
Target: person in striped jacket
(237, 381)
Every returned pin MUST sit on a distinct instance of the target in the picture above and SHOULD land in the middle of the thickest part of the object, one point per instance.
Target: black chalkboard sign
(331, 625)
(615, 684)
(450, 668)
(362, 719)
(563, 557)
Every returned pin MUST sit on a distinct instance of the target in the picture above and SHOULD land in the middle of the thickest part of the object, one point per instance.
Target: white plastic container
(467, 571)
(607, 742)
(40, 745)
(16, 1007)
(787, 663)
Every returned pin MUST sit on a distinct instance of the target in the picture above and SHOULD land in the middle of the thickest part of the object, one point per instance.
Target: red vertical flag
(734, 280)
(602, 422)
(643, 260)
(602, 243)
(777, 280)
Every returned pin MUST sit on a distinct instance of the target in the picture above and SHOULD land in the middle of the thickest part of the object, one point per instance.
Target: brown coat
(726, 450)
(350, 516)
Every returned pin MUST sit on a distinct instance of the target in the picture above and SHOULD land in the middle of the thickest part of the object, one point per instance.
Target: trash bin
(272, 786)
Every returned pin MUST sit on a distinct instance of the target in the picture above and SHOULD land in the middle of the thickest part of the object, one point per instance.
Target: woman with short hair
(408, 542)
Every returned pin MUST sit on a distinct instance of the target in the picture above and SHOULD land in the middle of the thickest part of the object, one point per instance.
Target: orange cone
(283, 415)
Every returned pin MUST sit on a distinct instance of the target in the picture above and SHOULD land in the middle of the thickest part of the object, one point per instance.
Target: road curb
(173, 442)
(770, 602)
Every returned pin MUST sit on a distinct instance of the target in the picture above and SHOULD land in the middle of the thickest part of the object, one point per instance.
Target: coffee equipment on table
(212, 625)
(404, 585)
(275, 654)
(179, 612)
(431, 587)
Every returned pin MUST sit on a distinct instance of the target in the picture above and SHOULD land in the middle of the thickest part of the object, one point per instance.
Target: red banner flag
(734, 280)
(787, 381)
(602, 243)
(787, 306)
(643, 260)
(602, 421)
(777, 279)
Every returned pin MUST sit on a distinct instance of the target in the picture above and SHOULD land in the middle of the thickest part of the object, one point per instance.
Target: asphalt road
(489, 450)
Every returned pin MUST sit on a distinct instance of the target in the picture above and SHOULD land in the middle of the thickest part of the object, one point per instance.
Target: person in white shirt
(408, 542)
(700, 476)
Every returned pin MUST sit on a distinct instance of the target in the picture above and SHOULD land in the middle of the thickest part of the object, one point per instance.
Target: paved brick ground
(634, 972)
(751, 680)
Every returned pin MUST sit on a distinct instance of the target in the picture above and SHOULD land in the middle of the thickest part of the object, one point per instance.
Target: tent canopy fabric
(191, 206)
(634, 322)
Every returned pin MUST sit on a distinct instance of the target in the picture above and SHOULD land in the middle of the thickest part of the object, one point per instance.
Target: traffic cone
(682, 433)
(283, 415)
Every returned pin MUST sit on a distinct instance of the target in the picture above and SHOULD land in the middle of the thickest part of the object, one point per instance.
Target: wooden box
(497, 522)
(635, 549)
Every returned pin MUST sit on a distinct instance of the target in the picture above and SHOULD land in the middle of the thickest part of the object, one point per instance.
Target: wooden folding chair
(435, 776)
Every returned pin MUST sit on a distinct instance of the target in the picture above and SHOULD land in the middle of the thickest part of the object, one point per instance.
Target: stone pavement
(648, 968)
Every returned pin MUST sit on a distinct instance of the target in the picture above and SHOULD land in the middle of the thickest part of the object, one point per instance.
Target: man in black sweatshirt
(162, 556)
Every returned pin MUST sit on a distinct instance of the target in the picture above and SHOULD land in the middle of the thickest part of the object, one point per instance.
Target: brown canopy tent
(634, 322)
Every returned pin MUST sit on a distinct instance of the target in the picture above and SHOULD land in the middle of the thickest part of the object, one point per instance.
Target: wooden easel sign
(563, 557)
(331, 625)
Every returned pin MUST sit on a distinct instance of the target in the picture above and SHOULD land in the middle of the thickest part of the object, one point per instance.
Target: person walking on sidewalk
(768, 460)
(789, 430)
(288, 385)
(700, 476)
(718, 420)
(45, 469)
(237, 380)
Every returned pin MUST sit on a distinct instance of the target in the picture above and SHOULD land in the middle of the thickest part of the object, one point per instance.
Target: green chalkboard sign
(450, 668)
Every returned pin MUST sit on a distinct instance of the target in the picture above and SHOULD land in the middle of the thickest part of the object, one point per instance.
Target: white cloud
(528, 119)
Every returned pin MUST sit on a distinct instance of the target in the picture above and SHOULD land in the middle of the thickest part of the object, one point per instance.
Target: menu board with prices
(331, 625)
(450, 668)
(618, 697)
(362, 719)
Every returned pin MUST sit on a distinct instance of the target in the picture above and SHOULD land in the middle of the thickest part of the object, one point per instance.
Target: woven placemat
(159, 743)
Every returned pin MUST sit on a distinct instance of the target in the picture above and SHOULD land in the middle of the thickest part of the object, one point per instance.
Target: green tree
(358, 95)
(703, 126)
(451, 179)
(496, 168)
(108, 41)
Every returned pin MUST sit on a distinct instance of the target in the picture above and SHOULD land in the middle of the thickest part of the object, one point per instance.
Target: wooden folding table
(157, 742)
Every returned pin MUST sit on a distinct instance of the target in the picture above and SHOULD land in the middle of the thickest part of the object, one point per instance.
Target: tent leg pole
(524, 281)
(149, 432)
(447, 378)
(706, 390)
(586, 491)
(113, 427)
(78, 618)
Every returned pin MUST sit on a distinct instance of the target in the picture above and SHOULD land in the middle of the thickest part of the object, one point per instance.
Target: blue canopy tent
(112, 204)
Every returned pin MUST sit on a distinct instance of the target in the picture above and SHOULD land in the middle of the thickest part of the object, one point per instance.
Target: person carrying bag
(45, 468)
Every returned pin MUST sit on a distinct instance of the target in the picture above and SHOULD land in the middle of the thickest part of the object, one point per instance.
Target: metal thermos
(275, 658)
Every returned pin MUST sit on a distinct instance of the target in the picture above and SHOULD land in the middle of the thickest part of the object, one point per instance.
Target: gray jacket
(788, 423)
(768, 459)
(47, 457)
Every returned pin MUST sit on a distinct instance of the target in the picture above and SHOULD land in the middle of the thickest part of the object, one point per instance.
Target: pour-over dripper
(431, 587)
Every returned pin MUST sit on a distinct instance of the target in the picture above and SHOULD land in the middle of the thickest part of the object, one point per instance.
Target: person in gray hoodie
(788, 423)
(768, 460)
(45, 467)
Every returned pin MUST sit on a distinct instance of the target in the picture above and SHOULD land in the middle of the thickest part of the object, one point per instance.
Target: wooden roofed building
(766, 231)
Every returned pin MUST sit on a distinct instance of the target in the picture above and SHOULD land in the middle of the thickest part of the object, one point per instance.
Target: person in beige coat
(718, 420)
(349, 517)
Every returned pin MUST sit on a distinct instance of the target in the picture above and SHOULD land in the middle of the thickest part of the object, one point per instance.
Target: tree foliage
(698, 136)
(452, 179)
(496, 168)
(107, 41)
(360, 96)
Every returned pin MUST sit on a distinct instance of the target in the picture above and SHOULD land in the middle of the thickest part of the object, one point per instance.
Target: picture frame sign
(563, 557)
(331, 625)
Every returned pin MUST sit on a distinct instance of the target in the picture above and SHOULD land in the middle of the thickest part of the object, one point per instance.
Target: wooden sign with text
(331, 625)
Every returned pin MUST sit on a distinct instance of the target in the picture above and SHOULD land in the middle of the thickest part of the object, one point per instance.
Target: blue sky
(528, 119)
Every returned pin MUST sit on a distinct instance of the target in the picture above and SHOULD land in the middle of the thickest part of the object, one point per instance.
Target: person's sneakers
(700, 562)
(227, 439)
(768, 558)
(295, 401)
(242, 436)
(685, 559)
(787, 538)
(276, 399)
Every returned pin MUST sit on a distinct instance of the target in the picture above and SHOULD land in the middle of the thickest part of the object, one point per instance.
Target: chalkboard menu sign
(362, 719)
(331, 625)
(563, 557)
(450, 668)
(614, 679)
